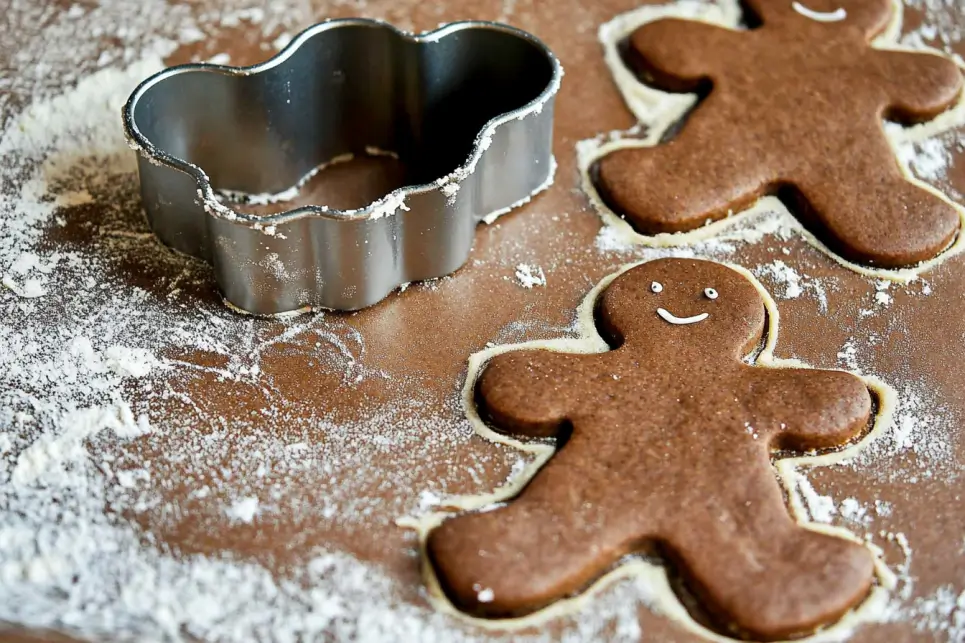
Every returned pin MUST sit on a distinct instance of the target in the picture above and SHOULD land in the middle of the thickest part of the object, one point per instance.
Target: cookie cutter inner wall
(338, 91)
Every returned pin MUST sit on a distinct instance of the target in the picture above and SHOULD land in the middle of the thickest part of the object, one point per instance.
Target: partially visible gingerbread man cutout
(794, 109)
(665, 445)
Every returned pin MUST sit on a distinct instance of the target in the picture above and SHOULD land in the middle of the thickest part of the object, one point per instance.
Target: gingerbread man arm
(678, 55)
(521, 392)
(920, 85)
(808, 409)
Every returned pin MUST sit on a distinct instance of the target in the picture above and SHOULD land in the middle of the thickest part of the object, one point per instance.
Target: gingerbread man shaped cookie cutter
(468, 109)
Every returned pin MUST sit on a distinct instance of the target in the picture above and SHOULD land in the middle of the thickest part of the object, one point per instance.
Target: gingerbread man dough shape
(793, 108)
(664, 445)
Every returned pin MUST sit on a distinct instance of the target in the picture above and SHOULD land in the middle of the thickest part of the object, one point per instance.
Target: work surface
(193, 472)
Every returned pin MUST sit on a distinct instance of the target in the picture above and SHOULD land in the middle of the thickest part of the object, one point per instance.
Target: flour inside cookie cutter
(468, 109)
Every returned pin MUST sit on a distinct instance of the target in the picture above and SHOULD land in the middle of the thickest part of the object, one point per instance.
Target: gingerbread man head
(672, 307)
(868, 16)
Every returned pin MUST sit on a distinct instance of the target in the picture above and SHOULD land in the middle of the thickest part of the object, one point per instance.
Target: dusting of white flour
(90, 366)
(530, 276)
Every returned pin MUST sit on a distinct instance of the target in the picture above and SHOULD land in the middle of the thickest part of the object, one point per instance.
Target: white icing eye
(656, 286)
(710, 293)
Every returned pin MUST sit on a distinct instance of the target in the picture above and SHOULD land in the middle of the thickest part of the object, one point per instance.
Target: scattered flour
(928, 159)
(922, 426)
(530, 276)
(848, 356)
(882, 298)
(795, 283)
(220, 59)
(852, 510)
(883, 508)
(917, 416)
(941, 26)
(821, 508)
(46, 458)
(923, 429)
(29, 289)
(941, 613)
(780, 271)
(244, 510)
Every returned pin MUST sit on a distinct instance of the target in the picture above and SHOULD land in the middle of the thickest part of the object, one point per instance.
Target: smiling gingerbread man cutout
(663, 445)
(793, 108)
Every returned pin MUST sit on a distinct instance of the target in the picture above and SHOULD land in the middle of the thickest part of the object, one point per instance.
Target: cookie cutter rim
(141, 144)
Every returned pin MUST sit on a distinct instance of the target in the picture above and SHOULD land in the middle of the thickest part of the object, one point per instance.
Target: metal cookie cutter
(468, 108)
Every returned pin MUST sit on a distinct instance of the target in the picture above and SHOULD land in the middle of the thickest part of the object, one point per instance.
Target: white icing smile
(668, 316)
(837, 15)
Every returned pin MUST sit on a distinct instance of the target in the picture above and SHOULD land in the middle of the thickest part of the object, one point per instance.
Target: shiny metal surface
(468, 109)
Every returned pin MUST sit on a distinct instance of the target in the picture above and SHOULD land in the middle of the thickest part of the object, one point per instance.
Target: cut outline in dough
(657, 111)
(837, 15)
(670, 318)
(665, 601)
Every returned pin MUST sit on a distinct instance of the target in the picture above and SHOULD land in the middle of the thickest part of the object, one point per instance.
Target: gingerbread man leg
(551, 541)
(762, 574)
(869, 213)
